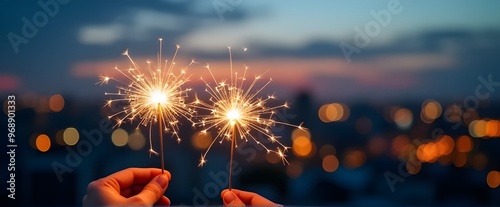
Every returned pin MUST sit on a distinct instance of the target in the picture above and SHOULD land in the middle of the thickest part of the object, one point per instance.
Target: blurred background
(400, 98)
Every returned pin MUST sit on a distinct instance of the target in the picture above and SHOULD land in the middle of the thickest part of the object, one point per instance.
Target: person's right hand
(235, 197)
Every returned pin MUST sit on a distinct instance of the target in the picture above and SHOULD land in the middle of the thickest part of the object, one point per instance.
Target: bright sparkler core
(158, 97)
(237, 113)
(153, 93)
(233, 115)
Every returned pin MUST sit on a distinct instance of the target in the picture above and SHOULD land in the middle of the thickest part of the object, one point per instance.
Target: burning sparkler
(154, 95)
(236, 110)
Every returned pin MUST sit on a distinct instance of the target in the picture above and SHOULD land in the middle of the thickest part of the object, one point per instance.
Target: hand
(129, 187)
(235, 197)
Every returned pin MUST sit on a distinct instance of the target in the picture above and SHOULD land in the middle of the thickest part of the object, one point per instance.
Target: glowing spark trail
(235, 110)
(154, 95)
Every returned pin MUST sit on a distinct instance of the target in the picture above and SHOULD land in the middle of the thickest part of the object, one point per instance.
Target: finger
(132, 190)
(84, 200)
(230, 199)
(126, 178)
(253, 199)
(164, 201)
(152, 192)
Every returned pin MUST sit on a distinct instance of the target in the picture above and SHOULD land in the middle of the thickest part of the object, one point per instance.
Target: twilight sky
(428, 49)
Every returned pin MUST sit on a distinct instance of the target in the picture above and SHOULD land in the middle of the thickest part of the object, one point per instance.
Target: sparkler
(154, 95)
(236, 110)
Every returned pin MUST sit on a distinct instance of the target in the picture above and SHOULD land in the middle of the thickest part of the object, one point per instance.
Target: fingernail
(162, 180)
(229, 197)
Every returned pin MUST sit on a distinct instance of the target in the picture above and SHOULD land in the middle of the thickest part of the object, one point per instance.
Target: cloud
(136, 25)
(101, 35)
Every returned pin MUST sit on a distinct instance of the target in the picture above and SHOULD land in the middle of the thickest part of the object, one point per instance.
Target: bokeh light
(477, 128)
(119, 137)
(453, 114)
(431, 110)
(60, 137)
(71, 136)
(43, 143)
(428, 152)
(432, 151)
(464, 144)
(330, 163)
(493, 128)
(273, 158)
(469, 115)
(413, 166)
(403, 118)
(354, 159)
(136, 140)
(459, 159)
(201, 140)
(296, 133)
(399, 144)
(493, 179)
(333, 112)
(302, 146)
(445, 145)
(56, 103)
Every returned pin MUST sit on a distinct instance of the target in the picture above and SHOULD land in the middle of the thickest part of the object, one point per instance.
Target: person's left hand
(129, 187)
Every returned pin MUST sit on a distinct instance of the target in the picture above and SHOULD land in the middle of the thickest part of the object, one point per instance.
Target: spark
(154, 93)
(235, 110)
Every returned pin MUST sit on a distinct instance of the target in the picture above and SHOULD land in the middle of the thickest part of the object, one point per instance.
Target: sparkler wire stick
(160, 130)
(233, 140)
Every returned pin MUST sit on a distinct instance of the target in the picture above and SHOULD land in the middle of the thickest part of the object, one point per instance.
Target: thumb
(153, 191)
(230, 199)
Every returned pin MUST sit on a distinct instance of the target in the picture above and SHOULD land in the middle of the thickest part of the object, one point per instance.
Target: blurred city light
(400, 143)
(493, 179)
(403, 118)
(459, 159)
(201, 140)
(119, 137)
(431, 110)
(273, 158)
(333, 112)
(464, 144)
(56, 103)
(136, 140)
(330, 163)
(354, 159)
(71, 136)
(302, 146)
(43, 143)
(413, 166)
(296, 133)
